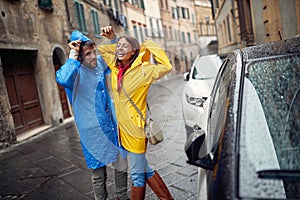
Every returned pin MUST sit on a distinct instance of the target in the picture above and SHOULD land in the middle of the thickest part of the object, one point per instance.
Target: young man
(84, 78)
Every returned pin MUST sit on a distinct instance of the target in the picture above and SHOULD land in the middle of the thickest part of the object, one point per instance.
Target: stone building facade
(181, 37)
(33, 45)
(32, 34)
(207, 36)
(242, 23)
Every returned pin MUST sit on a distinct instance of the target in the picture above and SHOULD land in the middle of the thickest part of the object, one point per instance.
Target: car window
(220, 94)
(206, 68)
(276, 83)
(257, 139)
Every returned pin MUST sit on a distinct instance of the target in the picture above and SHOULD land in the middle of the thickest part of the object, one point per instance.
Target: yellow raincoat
(136, 82)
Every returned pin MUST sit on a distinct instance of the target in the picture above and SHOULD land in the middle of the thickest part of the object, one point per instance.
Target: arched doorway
(58, 60)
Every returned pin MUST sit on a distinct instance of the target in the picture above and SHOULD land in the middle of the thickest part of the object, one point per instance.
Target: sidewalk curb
(33, 134)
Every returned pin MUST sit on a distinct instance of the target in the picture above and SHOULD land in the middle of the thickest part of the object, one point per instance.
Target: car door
(219, 105)
(219, 98)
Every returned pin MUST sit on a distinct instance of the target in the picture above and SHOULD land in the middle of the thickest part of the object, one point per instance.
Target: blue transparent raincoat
(92, 107)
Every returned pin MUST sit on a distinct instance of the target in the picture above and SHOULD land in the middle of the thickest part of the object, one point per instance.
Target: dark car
(251, 145)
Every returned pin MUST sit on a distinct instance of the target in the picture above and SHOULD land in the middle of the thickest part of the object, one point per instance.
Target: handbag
(152, 129)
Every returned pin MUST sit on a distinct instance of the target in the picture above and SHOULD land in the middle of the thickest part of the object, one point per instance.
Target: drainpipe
(68, 16)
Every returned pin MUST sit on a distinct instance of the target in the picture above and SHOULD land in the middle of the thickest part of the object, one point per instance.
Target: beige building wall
(207, 36)
(204, 18)
(170, 29)
(241, 23)
(179, 22)
(275, 20)
(227, 26)
(136, 20)
(154, 26)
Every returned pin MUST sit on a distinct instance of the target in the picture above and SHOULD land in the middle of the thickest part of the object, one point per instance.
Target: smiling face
(89, 56)
(124, 51)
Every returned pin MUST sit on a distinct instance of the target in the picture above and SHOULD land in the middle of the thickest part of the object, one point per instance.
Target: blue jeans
(140, 171)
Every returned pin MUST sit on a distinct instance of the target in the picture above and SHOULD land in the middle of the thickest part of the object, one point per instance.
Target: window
(276, 83)
(95, 22)
(189, 37)
(116, 4)
(167, 6)
(183, 37)
(151, 26)
(174, 13)
(162, 4)
(185, 13)
(228, 29)
(80, 17)
(46, 4)
(135, 32)
(225, 36)
(158, 29)
(107, 2)
(145, 31)
(141, 33)
(179, 12)
(175, 34)
(138, 3)
(220, 97)
(193, 19)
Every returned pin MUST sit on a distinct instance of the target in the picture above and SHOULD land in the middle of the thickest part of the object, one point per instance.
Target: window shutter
(45, 3)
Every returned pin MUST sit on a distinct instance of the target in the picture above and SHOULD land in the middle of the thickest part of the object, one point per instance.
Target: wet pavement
(51, 166)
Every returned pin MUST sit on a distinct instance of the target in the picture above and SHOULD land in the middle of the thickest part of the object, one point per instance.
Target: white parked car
(252, 135)
(199, 83)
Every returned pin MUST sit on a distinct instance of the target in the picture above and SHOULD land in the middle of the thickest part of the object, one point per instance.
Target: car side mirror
(193, 146)
(186, 76)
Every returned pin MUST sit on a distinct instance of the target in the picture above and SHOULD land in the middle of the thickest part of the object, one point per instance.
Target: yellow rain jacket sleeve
(136, 82)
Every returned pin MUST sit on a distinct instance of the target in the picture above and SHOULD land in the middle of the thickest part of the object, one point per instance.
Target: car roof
(214, 58)
(199, 57)
(282, 47)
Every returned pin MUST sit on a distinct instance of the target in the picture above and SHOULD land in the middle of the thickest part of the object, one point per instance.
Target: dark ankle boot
(159, 187)
(138, 193)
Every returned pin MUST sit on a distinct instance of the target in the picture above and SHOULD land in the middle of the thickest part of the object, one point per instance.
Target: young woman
(93, 114)
(133, 72)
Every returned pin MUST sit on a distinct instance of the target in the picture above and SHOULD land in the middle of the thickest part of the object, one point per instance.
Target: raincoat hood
(77, 35)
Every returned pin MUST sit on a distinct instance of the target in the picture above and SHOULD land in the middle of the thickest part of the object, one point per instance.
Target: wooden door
(22, 90)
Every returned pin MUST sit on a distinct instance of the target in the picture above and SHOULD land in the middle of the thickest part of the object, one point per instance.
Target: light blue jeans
(140, 171)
